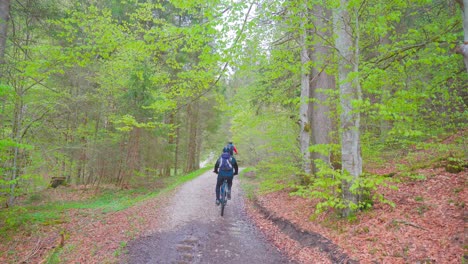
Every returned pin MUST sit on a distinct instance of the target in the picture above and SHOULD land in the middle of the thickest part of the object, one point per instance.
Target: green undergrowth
(27, 216)
(247, 184)
(406, 163)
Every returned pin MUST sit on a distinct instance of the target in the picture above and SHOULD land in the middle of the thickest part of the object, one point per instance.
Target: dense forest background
(126, 92)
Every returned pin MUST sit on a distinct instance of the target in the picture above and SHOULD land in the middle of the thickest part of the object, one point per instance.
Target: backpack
(231, 148)
(225, 162)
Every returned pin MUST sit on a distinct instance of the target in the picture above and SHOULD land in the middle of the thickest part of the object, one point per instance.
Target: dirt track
(194, 232)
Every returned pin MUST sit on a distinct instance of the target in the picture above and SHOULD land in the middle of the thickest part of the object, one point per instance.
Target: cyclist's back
(232, 149)
(226, 167)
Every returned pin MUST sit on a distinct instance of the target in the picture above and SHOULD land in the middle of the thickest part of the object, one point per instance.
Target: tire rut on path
(308, 239)
(194, 232)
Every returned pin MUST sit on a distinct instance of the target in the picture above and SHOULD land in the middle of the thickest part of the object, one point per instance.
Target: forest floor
(426, 225)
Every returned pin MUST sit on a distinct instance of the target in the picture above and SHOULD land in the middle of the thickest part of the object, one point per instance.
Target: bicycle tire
(223, 197)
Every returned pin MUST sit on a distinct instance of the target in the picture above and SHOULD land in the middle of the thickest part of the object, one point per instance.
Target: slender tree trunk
(16, 129)
(171, 141)
(192, 111)
(67, 155)
(177, 142)
(82, 160)
(349, 91)
(121, 166)
(84, 172)
(304, 110)
(199, 141)
(463, 48)
(4, 17)
(385, 125)
(321, 85)
(133, 157)
(196, 136)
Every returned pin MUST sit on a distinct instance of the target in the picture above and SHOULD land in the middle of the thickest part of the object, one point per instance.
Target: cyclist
(226, 167)
(232, 148)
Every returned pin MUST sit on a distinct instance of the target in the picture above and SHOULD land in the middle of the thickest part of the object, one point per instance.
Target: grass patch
(54, 257)
(28, 217)
(121, 250)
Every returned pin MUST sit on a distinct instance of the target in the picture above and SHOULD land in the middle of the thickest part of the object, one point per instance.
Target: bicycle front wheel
(222, 208)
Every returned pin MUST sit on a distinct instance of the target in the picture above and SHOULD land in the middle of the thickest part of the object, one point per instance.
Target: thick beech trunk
(321, 85)
(347, 46)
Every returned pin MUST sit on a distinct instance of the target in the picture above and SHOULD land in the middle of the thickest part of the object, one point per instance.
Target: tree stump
(56, 181)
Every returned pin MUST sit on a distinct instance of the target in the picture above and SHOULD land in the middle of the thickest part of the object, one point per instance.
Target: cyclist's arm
(236, 167)
(216, 166)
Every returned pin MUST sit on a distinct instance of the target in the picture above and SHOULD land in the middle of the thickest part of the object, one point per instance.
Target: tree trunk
(16, 129)
(82, 160)
(386, 94)
(463, 48)
(177, 142)
(304, 110)
(349, 92)
(4, 17)
(199, 140)
(133, 156)
(172, 120)
(192, 112)
(321, 85)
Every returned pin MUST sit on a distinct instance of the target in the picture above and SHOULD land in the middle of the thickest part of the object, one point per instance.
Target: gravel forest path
(194, 232)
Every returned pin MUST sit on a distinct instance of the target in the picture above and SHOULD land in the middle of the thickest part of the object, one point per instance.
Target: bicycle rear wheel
(223, 197)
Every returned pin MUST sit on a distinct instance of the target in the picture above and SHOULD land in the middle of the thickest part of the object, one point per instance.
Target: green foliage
(103, 88)
(7, 170)
(412, 89)
(119, 251)
(413, 176)
(367, 186)
(53, 213)
(427, 102)
(249, 185)
(455, 165)
(267, 142)
(326, 188)
(5, 90)
(12, 219)
(55, 256)
(106, 201)
(87, 75)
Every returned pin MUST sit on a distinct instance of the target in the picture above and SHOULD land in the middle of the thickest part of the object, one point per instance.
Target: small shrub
(422, 209)
(455, 165)
(414, 176)
(34, 198)
(327, 187)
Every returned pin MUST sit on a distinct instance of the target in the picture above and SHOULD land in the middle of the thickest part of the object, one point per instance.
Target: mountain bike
(223, 199)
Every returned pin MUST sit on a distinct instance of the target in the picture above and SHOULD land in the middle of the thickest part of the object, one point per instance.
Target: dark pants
(220, 182)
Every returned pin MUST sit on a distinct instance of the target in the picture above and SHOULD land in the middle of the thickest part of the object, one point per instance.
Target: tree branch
(225, 64)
